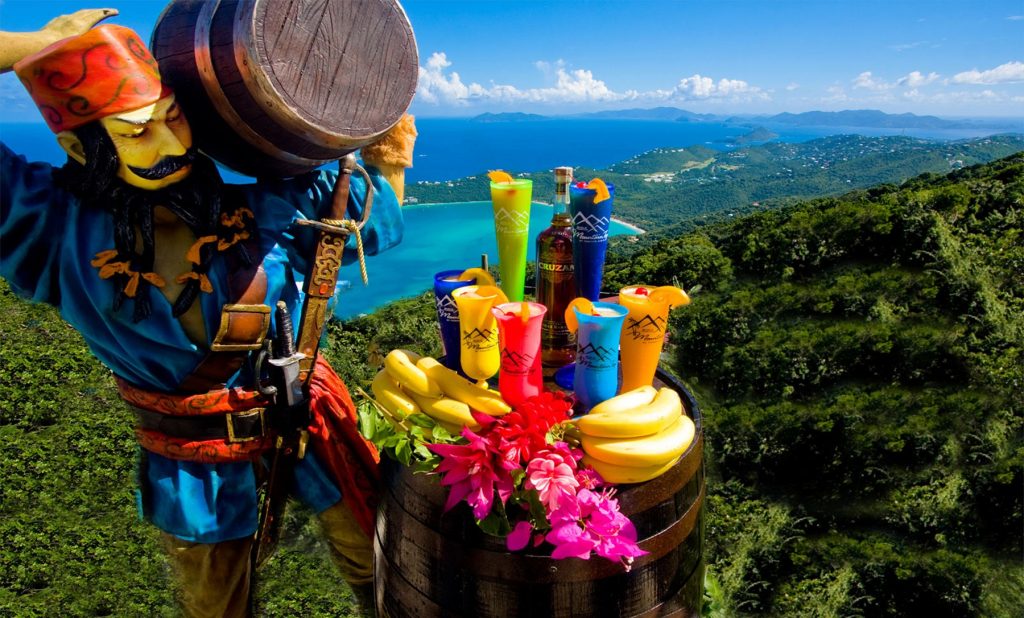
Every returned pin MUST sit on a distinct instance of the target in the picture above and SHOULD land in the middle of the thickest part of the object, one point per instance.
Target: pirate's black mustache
(166, 166)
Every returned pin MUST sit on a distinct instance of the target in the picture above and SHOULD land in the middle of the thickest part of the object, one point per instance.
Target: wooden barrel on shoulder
(281, 87)
(429, 563)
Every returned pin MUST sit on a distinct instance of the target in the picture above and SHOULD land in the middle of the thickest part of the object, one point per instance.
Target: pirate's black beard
(196, 200)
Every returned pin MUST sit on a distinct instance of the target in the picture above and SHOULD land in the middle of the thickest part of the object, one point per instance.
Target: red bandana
(105, 71)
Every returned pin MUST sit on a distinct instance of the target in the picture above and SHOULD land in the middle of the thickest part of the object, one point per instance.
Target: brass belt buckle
(230, 417)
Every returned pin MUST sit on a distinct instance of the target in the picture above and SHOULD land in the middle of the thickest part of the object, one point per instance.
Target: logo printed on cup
(446, 308)
(511, 221)
(516, 363)
(647, 328)
(597, 357)
(590, 228)
(480, 339)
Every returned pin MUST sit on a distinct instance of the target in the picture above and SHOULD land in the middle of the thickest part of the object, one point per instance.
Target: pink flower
(519, 537)
(552, 472)
(471, 474)
(592, 523)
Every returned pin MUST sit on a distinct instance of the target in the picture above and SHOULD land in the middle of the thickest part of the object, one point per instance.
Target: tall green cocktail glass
(511, 201)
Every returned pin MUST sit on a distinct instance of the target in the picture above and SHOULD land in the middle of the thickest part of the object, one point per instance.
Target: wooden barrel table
(429, 563)
(280, 87)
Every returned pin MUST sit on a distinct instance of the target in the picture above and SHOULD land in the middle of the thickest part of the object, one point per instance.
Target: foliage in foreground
(860, 361)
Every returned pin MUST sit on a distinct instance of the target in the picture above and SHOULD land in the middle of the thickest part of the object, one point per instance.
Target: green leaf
(496, 523)
(367, 426)
(440, 434)
(403, 452)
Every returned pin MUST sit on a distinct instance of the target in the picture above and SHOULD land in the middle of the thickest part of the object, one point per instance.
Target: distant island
(655, 113)
(865, 118)
(759, 134)
(509, 117)
(874, 118)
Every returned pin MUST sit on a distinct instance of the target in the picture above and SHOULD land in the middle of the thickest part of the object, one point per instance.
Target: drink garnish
(670, 294)
(478, 275)
(524, 312)
(499, 176)
(581, 304)
(602, 190)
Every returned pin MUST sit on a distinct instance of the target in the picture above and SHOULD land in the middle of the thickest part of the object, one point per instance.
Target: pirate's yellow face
(151, 144)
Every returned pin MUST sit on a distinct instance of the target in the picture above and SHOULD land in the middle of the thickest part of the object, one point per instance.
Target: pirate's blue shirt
(47, 240)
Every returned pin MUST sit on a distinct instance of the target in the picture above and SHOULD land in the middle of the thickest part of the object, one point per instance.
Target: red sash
(349, 460)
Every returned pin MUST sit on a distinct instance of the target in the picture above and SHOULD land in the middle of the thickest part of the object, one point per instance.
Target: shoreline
(635, 228)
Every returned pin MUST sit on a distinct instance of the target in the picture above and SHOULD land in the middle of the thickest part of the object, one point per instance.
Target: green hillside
(859, 360)
(668, 187)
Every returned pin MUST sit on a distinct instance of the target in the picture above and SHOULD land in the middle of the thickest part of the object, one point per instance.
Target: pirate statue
(171, 275)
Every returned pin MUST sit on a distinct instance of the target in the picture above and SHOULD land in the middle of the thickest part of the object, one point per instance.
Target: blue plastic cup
(597, 353)
(445, 282)
(589, 238)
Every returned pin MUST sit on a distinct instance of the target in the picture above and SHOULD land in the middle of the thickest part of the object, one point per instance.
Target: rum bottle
(556, 284)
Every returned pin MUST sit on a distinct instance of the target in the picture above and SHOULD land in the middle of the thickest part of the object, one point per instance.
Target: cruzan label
(555, 268)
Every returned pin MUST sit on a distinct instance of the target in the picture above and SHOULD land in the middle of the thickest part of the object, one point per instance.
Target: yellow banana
(447, 410)
(642, 452)
(626, 474)
(401, 364)
(644, 420)
(626, 401)
(389, 394)
(455, 386)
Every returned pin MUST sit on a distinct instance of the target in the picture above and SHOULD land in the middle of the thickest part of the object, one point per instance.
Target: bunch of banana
(410, 383)
(636, 436)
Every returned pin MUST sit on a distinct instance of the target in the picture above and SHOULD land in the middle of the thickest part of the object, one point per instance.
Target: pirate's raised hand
(16, 45)
(63, 26)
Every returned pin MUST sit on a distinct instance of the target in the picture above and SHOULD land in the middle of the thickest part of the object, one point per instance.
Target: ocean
(450, 236)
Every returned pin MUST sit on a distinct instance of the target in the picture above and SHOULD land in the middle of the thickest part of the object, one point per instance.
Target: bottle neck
(561, 202)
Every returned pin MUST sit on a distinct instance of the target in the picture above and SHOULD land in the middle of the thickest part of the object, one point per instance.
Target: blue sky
(962, 58)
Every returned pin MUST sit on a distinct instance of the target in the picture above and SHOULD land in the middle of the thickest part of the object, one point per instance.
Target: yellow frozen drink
(511, 200)
(643, 334)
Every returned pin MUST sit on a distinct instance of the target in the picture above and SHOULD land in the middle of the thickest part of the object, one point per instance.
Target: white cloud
(1005, 73)
(836, 94)
(954, 97)
(438, 84)
(698, 87)
(868, 82)
(901, 47)
(1015, 17)
(791, 86)
(915, 79)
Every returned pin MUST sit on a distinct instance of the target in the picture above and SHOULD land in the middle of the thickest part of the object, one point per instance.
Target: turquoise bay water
(437, 237)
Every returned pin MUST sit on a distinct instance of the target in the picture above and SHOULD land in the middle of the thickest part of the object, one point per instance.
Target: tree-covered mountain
(860, 363)
(667, 189)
